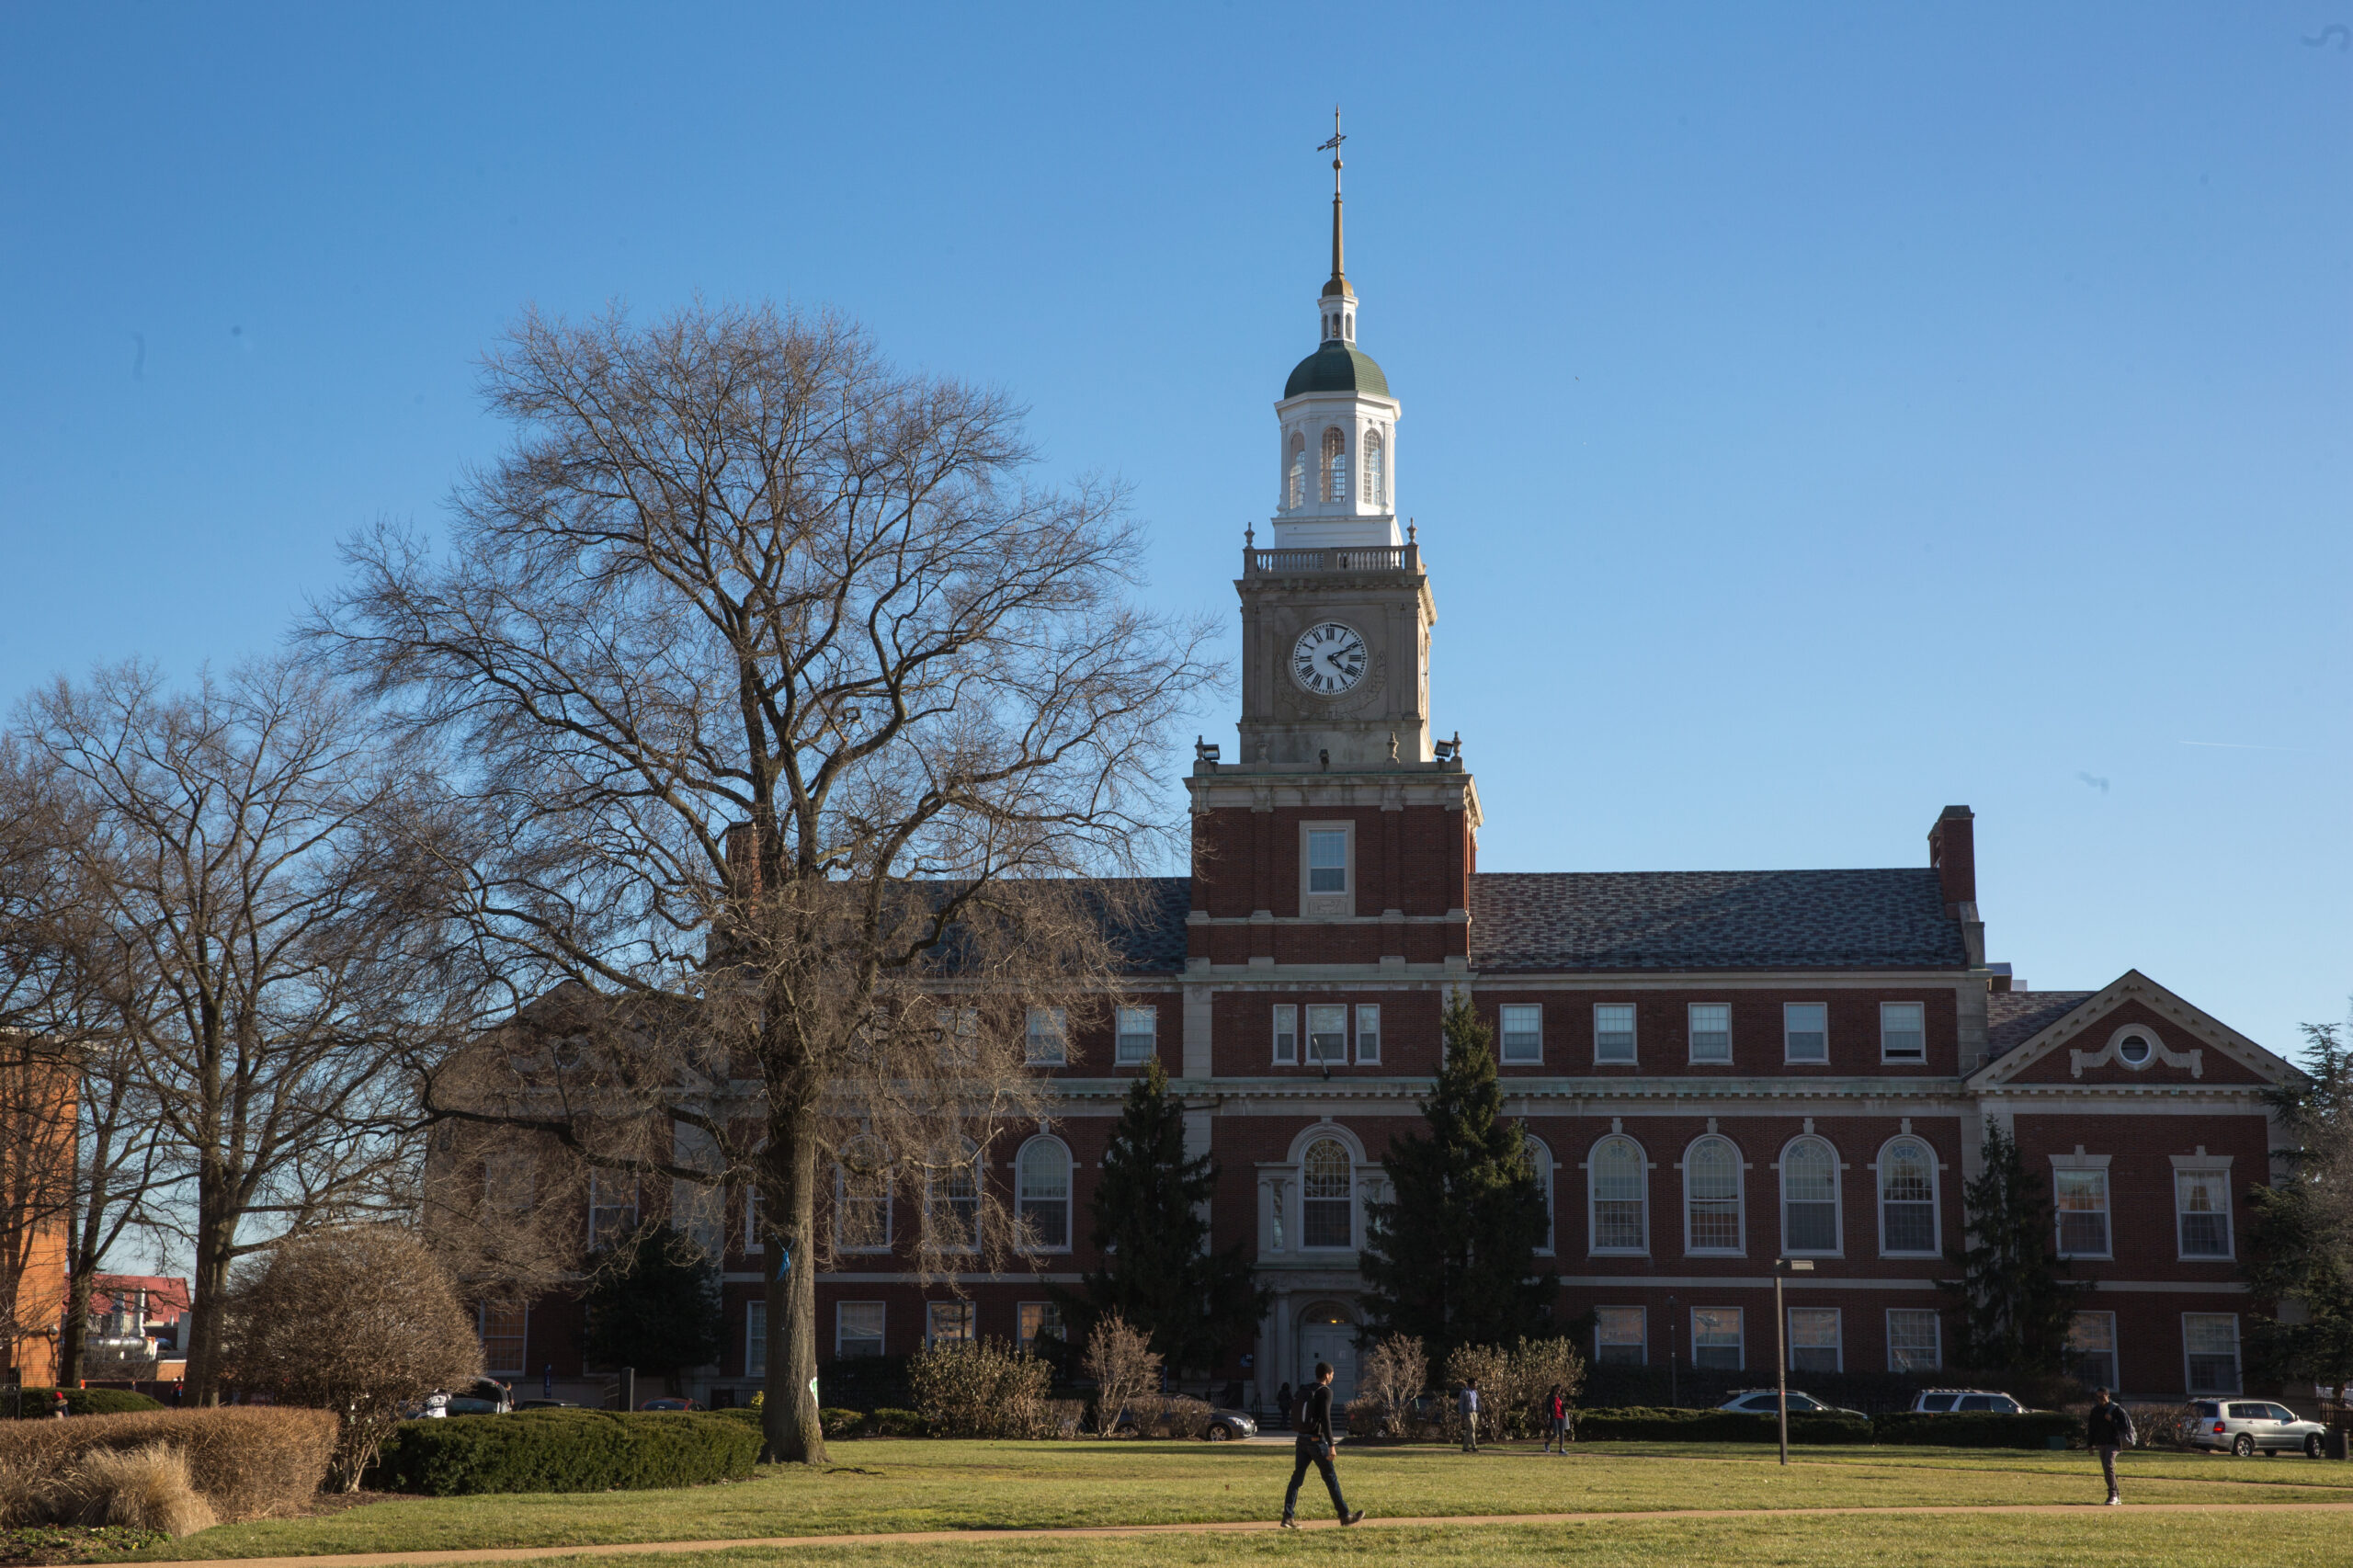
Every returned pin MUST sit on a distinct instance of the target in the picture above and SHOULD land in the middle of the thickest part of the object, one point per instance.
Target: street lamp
(1673, 1399)
(1783, 1267)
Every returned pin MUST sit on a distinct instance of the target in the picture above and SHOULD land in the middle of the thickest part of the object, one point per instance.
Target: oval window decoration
(2134, 1049)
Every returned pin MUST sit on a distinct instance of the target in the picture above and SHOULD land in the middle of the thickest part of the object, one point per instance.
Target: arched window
(1335, 465)
(955, 1200)
(1295, 473)
(1616, 1173)
(1809, 1198)
(1042, 1194)
(1327, 1196)
(1375, 449)
(862, 1199)
(1711, 1196)
(1907, 1198)
(1540, 1158)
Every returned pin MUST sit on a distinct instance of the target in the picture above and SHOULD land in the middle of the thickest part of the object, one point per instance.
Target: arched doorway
(1326, 1332)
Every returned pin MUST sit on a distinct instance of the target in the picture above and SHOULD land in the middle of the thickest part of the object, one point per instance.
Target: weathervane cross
(1332, 146)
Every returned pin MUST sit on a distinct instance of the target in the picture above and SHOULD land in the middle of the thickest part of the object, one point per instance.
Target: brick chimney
(1953, 850)
(744, 859)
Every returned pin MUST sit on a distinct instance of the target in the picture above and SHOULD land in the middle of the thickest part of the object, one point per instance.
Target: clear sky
(1814, 414)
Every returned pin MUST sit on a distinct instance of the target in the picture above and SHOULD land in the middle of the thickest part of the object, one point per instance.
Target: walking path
(1083, 1532)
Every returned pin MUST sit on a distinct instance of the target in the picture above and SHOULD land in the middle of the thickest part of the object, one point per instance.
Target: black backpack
(1298, 1409)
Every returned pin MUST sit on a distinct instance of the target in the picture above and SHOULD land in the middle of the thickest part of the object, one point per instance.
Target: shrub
(1124, 1368)
(567, 1450)
(1167, 1416)
(1514, 1380)
(1392, 1377)
(83, 1402)
(889, 1423)
(838, 1422)
(1639, 1424)
(2156, 1426)
(1977, 1429)
(358, 1320)
(145, 1488)
(985, 1389)
(246, 1461)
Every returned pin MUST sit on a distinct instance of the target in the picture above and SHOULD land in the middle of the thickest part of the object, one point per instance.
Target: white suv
(1962, 1402)
(2252, 1427)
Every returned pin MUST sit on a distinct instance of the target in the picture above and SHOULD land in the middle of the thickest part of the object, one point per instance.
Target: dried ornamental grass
(146, 1488)
(246, 1461)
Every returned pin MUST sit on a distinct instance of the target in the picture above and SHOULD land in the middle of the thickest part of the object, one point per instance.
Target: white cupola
(1338, 427)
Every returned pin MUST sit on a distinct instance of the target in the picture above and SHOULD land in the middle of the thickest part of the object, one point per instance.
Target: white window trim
(972, 1335)
(2238, 1356)
(2204, 1163)
(1642, 1166)
(1535, 1061)
(889, 1216)
(1889, 1325)
(1635, 1014)
(1119, 1033)
(1307, 1056)
(1821, 1061)
(883, 1307)
(1356, 1208)
(1936, 1197)
(1332, 905)
(2082, 1162)
(1740, 1198)
(931, 1201)
(1691, 1326)
(1837, 1338)
(1058, 1033)
(1888, 1061)
(1026, 1345)
(755, 1336)
(1691, 1034)
(1540, 1154)
(1373, 1009)
(1069, 1199)
(1286, 1025)
(1642, 1317)
(523, 1340)
(2115, 1351)
(1838, 1198)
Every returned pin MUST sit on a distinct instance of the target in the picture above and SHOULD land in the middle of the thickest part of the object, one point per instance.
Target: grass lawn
(879, 1485)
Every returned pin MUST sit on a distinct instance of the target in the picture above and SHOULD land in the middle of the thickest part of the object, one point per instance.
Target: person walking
(1315, 1445)
(2108, 1428)
(1556, 1420)
(1467, 1401)
(1282, 1403)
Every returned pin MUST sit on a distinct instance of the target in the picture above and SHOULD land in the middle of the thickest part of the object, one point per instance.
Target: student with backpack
(1466, 1404)
(1556, 1420)
(1315, 1445)
(2108, 1428)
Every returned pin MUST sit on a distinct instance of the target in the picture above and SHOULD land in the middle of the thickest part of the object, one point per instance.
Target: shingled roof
(2013, 1018)
(1527, 922)
(1150, 933)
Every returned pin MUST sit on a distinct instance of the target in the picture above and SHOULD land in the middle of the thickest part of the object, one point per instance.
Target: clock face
(1328, 658)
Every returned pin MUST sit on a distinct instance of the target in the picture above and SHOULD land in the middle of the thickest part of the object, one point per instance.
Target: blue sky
(1814, 414)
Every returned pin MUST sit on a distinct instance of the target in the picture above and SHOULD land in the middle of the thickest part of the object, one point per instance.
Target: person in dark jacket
(1316, 1446)
(1282, 1403)
(2108, 1428)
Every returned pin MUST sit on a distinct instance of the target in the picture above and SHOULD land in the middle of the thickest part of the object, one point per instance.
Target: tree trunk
(73, 1333)
(216, 1237)
(789, 1425)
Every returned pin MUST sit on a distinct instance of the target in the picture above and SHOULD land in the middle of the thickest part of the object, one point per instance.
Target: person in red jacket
(1556, 1421)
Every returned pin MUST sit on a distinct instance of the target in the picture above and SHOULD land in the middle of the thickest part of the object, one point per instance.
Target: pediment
(2133, 1033)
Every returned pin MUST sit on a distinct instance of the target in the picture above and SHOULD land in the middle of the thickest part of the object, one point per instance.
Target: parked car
(2247, 1427)
(1227, 1425)
(545, 1404)
(1963, 1401)
(669, 1403)
(1767, 1402)
(483, 1397)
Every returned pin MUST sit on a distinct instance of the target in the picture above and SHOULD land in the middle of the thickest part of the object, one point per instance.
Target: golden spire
(1339, 283)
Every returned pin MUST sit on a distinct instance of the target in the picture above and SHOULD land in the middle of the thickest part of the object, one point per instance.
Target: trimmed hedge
(1979, 1429)
(565, 1451)
(1648, 1425)
(248, 1461)
(83, 1402)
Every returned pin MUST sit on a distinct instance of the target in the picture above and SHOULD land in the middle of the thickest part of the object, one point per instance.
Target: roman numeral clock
(1328, 658)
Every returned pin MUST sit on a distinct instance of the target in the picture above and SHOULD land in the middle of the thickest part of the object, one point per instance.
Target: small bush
(1392, 1377)
(838, 1422)
(1653, 1425)
(1514, 1380)
(2155, 1426)
(246, 1461)
(566, 1450)
(144, 1489)
(889, 1423)
(82, 1401)
(1167, 1416)
(985, 1389)
(1977, 1429)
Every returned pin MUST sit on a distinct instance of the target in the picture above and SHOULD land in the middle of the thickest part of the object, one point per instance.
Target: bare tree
(270, 964)
(789, 707)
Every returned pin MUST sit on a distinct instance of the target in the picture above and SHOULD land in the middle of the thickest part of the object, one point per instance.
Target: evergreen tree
(2012, 1302)
(2299, 1240)
(653, 1304)
(1451, 1253)
(1157, 1272)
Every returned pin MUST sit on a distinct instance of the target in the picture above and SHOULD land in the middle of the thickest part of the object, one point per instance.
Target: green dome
(1336, 368)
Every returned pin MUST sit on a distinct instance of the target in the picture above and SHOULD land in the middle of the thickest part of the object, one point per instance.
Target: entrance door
(1326, 1335)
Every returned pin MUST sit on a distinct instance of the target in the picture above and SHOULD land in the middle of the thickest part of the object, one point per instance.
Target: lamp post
(1673, 1399)
(1783, 1267)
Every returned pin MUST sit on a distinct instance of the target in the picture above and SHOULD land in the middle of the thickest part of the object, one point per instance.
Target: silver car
(2252, 1427)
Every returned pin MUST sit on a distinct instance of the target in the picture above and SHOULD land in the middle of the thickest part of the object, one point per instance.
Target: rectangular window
(756, 1338)
(1814, 1339)
(948, 1323)
(2091, 1349)
(2082, 1199)
(1327, 1036)
(861, 1210)
(956, 1206)
(2202, 1201)
(1805, 1031)
(1613, 1031)
(1710, 1031)
(1328, 860)
(2210, 1343)
(1715, 1338)
(1618, 1336)
(1046, 1043)
(1138, 1027)
(857, 1327)
(1368, 1036)
(960, 1035)
(753, 1240)
(1523, 1031)
(502, 1337)
(1903, 1037)
(1286, 1035)
(1036, 1320)
(1914, 1339)
(612, 1207)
